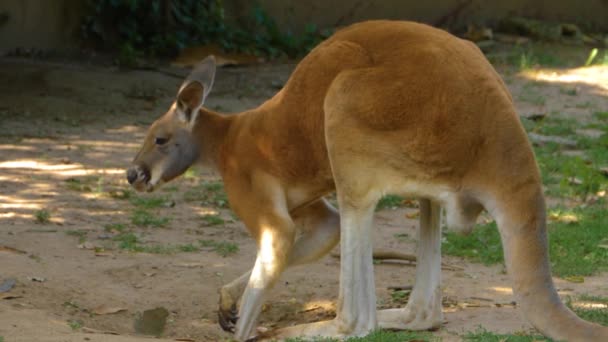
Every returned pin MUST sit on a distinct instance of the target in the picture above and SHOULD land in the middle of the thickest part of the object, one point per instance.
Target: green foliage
(42, 216)
(138, 28)
(389, 202)
(482, 335)
(75, 324)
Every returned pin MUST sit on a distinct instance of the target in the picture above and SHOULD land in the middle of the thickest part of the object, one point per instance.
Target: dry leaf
(575, 279)
(11, 249)
(412, 215)
(107, 309)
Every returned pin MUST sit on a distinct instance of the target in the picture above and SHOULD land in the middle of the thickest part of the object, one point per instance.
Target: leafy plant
(139, 28)
(42, 216)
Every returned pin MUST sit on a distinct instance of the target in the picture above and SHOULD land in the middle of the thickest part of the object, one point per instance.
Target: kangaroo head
(170, 146)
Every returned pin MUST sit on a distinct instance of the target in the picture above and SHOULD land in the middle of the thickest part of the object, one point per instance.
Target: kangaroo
(380, 107)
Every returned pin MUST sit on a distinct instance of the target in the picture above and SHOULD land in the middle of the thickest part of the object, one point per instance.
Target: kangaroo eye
(160, 141)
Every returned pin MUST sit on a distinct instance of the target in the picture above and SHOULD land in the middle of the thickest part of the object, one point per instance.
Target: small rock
(7, 285)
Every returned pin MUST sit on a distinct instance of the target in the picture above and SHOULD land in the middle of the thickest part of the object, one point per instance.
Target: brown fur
(377, 105)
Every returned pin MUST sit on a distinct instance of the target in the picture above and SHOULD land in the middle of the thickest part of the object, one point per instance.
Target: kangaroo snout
(131, 175)
(139, 178)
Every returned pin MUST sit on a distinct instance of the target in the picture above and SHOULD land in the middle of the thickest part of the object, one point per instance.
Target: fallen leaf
(107, 309)
(575, 279)
(11, 250)
(152, 322)
(7, 285)
(412, 215)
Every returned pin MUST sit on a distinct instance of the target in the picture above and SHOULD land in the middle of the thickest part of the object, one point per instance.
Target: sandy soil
(59, 122)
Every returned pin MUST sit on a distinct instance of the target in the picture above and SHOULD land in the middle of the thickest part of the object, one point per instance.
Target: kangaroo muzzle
(138, 177)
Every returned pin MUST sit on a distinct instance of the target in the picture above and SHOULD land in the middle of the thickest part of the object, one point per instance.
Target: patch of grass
(121, 194)
(599, 315)
(115, 227)
(143, 218)
(42, 216)
(79, 184)
(213, 219)
(376, 336)
(482, 335)
(400, 297)
(482, 245)
(576, 247)
(594, 299)
(208, 193)
(223, 248)
(188, 248)
(128, 241)
(80, 234)
(149, 202)
(75, 324)
(389, 202)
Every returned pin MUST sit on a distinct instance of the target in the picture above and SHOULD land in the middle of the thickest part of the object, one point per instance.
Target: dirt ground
(60, 121)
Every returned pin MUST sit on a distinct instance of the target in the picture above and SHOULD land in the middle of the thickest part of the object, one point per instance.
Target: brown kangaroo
(380, 107)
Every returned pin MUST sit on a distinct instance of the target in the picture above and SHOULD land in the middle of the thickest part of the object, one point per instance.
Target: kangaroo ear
(194, 90)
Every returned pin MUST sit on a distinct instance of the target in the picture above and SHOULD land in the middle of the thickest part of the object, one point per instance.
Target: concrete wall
(54, 24)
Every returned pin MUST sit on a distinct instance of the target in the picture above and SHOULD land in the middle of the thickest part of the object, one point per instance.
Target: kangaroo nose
(131, 175)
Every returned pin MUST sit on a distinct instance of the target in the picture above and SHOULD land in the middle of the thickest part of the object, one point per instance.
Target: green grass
(575, 248)
(75, 324)
(482, 335)
(377, 336)
(149, 202)
(482, 245)
(144, 218)
(115, 227)
(208, 193)
(599, 315)
(222, 248)
(42, 216)
(79, 184)
(213, 219)
(128, 241)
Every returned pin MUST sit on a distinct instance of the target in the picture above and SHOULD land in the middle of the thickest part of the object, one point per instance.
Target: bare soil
(60, 121)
